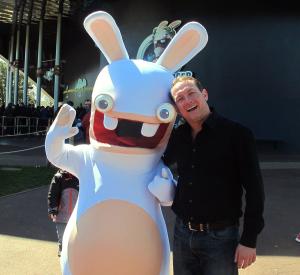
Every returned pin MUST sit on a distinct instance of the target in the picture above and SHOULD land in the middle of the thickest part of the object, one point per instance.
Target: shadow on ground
(25, 214)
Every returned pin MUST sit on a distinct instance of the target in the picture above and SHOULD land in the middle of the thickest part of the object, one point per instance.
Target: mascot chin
(117, 226)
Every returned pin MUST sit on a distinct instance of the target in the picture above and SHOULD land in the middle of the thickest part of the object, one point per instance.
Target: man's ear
(205, 94)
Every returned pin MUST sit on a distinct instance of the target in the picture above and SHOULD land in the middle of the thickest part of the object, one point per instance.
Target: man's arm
(251, 180)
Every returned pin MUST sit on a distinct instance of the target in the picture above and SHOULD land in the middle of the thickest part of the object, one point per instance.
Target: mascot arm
(163, 187)
(64, 156)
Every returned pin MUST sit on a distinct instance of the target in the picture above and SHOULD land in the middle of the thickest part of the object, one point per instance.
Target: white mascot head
(131, 111)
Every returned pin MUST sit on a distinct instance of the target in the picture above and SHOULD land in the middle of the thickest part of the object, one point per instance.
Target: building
(250, 65)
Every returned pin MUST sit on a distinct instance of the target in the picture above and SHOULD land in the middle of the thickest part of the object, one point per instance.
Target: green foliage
(3, 75)
(13, 181)
(46, 99)
(20, 88)
(2, 81)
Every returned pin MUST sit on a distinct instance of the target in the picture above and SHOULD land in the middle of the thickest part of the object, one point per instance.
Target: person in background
(85, 123)
(62, 197)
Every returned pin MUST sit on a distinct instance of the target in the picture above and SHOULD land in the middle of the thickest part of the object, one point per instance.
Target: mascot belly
(133, 237)
(117, 226)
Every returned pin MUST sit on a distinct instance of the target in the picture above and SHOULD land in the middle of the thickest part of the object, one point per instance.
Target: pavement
(28, 237)
(22, 151)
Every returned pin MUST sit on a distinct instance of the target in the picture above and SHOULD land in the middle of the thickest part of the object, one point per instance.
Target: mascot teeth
(110, 123)
(149, 130)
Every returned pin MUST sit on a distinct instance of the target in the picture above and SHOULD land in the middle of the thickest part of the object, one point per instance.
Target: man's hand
(244, 256)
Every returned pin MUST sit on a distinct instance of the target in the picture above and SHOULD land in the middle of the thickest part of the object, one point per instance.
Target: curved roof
(12, 10)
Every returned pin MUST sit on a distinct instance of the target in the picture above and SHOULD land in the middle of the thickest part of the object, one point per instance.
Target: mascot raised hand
(117, 226)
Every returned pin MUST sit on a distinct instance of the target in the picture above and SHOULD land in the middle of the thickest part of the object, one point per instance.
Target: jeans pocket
(229, 233)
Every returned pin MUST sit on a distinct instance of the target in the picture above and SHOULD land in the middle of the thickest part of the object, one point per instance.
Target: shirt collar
(211, 120)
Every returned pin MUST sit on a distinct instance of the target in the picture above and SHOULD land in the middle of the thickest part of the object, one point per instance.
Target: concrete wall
(250, 67)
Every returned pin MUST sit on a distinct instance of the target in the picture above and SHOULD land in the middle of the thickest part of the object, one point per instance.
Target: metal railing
(21, 125)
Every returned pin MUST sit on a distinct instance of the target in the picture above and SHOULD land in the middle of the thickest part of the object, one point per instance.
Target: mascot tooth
(117, 226)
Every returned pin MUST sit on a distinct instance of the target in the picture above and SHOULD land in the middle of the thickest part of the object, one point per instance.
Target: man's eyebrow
(187, 89)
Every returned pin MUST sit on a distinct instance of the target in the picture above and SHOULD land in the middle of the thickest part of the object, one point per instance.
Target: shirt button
(190, 183)
(194, 150)
(193, 166)
(190, 201)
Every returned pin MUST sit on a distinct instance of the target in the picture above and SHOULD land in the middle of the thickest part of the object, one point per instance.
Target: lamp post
(57, 56)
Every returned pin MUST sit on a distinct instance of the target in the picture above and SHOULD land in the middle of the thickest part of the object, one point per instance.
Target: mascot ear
(189, 41)
(162, 24)
(174, 24)
(103, 29)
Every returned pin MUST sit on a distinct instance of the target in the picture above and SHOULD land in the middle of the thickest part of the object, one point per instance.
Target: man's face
(87, 105)
(190, 101)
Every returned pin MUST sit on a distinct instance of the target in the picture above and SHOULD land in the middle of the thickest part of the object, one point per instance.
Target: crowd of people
(14, 110)
(15, 118)
(40, 118)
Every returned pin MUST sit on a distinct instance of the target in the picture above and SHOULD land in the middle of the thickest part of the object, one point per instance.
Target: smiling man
(216, 162)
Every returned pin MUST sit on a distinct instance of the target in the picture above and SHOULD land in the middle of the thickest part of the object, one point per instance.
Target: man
(216, 160)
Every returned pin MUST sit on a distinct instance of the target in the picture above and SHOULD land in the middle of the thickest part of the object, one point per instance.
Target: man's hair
(188, 78)
(185, 78)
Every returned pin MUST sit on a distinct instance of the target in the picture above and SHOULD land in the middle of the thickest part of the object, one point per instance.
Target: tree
(3, 68)
(46, 99)
(3, 74)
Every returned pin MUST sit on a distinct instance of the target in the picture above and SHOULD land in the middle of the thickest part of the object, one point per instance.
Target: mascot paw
(62, 125)
(162, 187)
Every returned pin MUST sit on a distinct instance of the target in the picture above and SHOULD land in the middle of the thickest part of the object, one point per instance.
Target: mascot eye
(166, 112)
(104, 103)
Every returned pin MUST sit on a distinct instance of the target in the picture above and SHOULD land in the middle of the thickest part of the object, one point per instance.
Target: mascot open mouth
(128, 133)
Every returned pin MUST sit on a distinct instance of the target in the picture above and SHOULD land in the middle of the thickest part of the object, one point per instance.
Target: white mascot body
(117, 226)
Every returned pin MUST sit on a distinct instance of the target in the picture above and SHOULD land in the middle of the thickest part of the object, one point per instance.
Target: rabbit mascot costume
(117, 226)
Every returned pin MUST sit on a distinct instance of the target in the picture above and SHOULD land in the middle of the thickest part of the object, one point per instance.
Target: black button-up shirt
(213, 170)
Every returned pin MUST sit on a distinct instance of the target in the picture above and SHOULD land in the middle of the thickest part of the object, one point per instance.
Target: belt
(210, 226)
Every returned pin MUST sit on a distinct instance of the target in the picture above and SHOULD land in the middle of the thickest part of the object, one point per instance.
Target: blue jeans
(204, 253)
